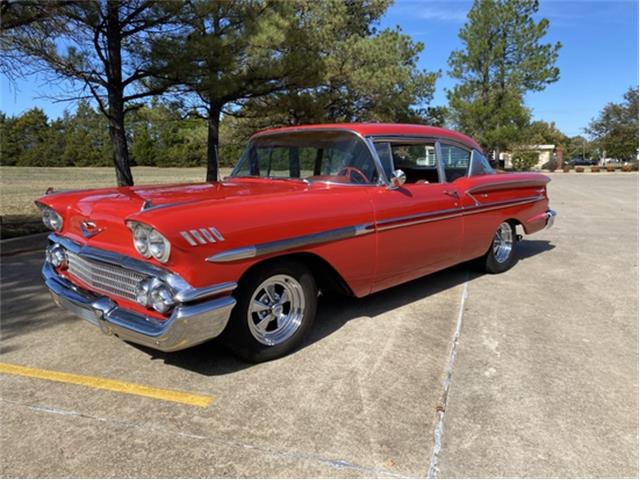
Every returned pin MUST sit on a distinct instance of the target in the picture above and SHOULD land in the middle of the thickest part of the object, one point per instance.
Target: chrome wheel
(503, 243)
(276, 309)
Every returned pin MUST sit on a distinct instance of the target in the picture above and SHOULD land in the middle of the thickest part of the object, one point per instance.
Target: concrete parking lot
(530, 373)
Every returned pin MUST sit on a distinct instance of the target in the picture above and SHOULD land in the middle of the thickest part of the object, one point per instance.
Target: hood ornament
(89, 229)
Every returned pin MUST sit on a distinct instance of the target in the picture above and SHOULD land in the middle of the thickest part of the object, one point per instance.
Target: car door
(419, 224)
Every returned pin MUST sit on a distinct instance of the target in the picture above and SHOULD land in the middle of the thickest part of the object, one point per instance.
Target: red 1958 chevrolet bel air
(350, 207)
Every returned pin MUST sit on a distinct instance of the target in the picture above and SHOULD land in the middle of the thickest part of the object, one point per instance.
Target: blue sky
(598, 60)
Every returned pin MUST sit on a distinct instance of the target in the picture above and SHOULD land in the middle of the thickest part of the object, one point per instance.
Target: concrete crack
(441, 409)
(318, 459)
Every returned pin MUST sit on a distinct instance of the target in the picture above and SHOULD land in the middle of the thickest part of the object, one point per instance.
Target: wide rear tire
(276, 306)
(501, 255)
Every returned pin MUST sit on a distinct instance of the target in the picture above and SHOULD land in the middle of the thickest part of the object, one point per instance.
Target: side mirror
(398, 178)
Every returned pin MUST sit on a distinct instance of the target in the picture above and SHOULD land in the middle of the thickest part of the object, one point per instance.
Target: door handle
(451, 193)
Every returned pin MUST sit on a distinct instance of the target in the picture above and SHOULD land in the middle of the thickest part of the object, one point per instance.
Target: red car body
(368, 237)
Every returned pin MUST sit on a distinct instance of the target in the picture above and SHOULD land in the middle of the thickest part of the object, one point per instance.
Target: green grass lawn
(20, 186)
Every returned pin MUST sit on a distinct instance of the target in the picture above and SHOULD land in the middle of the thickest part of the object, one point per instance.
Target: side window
(455, 161)
(416, 160)
(480, 165)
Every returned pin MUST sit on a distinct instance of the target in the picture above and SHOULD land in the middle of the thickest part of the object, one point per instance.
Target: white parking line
(446, 384)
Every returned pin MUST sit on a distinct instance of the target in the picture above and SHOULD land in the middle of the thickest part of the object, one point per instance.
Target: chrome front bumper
(188, 325)
(551, 217)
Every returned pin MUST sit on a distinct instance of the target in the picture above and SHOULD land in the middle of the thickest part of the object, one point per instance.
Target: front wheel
(501, 255)
(276, 306)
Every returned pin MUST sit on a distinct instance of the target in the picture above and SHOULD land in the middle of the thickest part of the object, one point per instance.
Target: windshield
(334, 156)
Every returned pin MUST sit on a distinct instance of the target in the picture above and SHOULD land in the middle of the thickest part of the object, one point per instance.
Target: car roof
(365, 129)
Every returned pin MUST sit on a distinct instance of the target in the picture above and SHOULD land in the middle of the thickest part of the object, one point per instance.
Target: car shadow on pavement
(530, 248)
(26, 305)
(334, 311)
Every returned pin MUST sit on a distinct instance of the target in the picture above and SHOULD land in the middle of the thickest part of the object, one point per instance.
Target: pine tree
(502, 59)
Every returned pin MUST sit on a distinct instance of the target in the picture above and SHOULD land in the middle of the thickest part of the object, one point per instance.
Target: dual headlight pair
(148, 242)
(154, 293)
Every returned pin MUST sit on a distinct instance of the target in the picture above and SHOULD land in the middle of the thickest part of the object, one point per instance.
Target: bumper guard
(551, 217)
(188, 325)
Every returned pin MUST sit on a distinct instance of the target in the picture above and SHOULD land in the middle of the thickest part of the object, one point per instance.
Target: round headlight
(143, 291)
(161, 299)
(57, 256)
(149, 242)
(51, 218)
(141, 239)
(159, 246)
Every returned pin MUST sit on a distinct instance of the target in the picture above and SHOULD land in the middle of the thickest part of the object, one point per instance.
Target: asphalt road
(530, 373)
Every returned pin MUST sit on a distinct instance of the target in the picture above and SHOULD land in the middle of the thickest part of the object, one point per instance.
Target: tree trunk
(213, 138)
(115, 96)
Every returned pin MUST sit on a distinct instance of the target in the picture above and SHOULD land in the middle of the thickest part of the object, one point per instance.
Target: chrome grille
(104, 277)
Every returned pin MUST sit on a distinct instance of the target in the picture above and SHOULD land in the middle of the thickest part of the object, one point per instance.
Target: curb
(28, 243)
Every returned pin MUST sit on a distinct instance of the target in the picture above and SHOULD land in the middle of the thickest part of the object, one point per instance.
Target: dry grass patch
(22, 185)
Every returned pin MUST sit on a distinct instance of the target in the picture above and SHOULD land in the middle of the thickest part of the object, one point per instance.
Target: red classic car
(351, 207)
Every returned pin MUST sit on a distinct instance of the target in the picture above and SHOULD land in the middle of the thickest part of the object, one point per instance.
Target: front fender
(334, 223)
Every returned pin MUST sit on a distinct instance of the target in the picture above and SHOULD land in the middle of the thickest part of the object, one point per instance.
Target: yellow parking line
(108, 384)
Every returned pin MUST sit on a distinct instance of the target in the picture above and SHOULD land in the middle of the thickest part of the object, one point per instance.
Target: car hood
(106, 210)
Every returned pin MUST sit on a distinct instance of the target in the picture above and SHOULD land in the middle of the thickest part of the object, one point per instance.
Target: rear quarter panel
(489, 200)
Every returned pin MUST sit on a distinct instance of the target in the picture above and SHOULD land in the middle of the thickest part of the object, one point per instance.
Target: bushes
(524, 160)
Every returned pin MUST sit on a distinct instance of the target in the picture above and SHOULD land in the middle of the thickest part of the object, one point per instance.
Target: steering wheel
(351, 171)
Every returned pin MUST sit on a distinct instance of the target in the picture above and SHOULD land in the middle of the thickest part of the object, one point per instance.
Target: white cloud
(443, 14)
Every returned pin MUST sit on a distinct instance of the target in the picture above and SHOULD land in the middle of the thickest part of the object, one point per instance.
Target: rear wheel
(276, 308)
(501, 255)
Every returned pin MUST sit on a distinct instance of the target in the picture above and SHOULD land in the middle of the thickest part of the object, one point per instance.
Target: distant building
(546, 153)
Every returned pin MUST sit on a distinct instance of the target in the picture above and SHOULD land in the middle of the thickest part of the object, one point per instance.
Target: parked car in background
(355, 208)
(582, 161)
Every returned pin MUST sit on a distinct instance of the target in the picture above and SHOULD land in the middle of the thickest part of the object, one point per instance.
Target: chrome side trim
(418, 218)
(486, 207)
(184, 292)
(233, 255)
(436, 216)
(503, 185)
(269, 248)
(147, 207)
(418, 222)
(195, 294)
